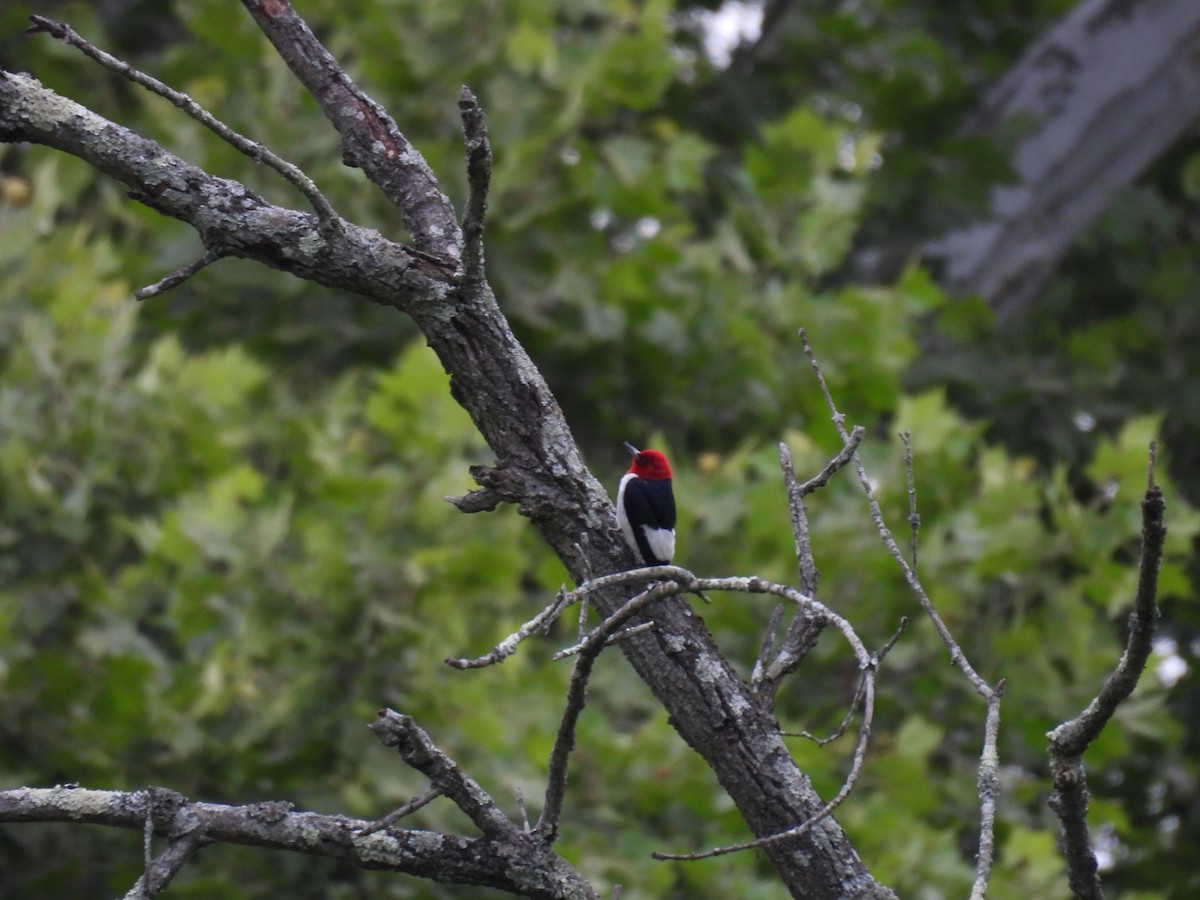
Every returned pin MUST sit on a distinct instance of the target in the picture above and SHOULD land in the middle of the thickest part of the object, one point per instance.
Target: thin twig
(400, 812)
(768, 645)
(810, 576)
(876, 659)
(840, 460)
(257, 152)
(626, 633)
(160, 871)
(914, 518)
(563, 601)
(178, 277)
(842, 726)
(992, 696)
(588, 650)
(803, 632)
(508, 646)
(521, 808)
(891, 642)
(989, 793)
(957, 657)
(479, 176)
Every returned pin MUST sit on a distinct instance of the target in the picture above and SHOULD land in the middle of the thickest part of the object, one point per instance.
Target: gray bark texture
(1103, 94)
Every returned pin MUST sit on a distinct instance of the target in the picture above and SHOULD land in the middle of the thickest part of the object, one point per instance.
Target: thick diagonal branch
(370, 139)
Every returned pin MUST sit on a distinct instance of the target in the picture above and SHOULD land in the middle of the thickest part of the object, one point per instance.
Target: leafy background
(223, 543)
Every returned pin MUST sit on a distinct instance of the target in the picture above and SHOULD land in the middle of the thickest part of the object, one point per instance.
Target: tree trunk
(1106, 91)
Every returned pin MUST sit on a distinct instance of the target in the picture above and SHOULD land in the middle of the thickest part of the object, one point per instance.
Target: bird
(646, 507)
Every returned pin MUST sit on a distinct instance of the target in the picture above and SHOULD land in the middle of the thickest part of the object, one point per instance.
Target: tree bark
(1106, 91)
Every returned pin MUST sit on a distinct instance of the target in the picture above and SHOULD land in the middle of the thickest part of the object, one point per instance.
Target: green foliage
(223, 542)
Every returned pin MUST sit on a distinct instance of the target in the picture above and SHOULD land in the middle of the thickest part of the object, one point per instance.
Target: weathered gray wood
(1106, 91)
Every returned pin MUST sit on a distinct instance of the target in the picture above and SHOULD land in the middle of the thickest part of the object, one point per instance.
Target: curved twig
(291, 173)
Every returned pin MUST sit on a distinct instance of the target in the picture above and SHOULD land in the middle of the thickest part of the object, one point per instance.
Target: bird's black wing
(649, 503)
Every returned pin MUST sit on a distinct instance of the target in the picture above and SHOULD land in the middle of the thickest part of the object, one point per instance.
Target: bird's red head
(649, 464)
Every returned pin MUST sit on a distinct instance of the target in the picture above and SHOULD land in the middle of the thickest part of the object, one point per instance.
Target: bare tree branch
(914, 518)
(989, 756)
(564, 742)
(257, 152)
(479, 176)
(419, 751)
(161, 869)
(371, 141)
(401, 811)
(176, 278)
(1070, 739)
(519, 869)
(804, 630)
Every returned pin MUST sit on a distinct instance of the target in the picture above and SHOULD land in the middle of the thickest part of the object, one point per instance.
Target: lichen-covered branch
(276, 826)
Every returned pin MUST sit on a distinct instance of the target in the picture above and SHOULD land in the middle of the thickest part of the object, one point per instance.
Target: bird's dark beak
(632, 449)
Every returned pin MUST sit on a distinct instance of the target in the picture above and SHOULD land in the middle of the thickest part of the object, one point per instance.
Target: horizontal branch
(231, 219)
(427, 854)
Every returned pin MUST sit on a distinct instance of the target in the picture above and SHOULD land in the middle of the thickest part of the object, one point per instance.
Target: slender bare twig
(508, 646)
(178, 277)
(803, 631)
(563, 601)
(257, 152)
(989, 793)
(957, 657)
(842, 726)
(766, 649)
(479, 176)
(876, 659)
(1070, 739)
(163, 868)
(623, 635)
(810, 576)
(992, 696)
(564, 742)
(891, 642)
(840, 460)
(914, 518)
(401, 811)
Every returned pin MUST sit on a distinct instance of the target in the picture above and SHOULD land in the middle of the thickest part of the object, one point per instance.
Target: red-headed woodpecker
(646, 507)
